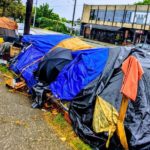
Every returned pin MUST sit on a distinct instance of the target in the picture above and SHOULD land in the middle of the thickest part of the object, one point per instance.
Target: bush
(53, 25)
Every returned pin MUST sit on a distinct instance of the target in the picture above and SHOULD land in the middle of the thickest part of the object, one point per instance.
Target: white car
(21, 29)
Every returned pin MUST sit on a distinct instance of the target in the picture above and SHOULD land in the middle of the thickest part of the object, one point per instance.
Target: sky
(65, 7)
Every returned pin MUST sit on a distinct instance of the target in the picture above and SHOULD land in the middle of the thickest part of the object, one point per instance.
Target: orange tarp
(74, 44)
(8, 23)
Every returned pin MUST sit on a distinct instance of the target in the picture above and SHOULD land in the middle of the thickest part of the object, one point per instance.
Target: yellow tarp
(8, 23)
(1, 40)
(105, 118)
(74, 44)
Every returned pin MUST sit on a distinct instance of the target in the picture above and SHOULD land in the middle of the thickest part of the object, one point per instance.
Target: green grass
(59, 120)
(80, 145)
(76, 142)
(3, 69)
(64, 129)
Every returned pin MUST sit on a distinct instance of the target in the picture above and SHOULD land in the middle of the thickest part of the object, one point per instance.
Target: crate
(14, 51)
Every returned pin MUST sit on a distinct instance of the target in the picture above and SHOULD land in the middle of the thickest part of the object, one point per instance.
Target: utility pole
(74, 11)
(29, 5)
(35, 13)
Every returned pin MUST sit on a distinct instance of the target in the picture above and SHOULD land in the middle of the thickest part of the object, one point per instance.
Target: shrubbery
(46, 18)
(50, 24)
(53, 25)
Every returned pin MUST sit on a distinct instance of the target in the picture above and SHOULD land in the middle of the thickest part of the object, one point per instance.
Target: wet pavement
(23, 128)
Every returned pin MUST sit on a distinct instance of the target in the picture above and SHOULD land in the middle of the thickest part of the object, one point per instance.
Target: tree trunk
(4, 9)
(29, 5)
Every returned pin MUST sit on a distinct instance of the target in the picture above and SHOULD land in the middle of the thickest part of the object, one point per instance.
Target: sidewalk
(24, 128)
(97, 42)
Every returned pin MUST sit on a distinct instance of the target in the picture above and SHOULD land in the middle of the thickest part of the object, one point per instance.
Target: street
(37, 31)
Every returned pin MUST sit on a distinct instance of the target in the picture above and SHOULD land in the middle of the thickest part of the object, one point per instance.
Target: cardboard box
(14, 51)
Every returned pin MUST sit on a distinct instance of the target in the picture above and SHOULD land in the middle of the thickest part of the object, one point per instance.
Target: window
(148, 19)
(140, 17)
(93, 14)
(119, 16)
(128, 16)
(109, 15)
(101, 15)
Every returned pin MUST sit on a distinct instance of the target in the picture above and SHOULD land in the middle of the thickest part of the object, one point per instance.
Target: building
(117, 24)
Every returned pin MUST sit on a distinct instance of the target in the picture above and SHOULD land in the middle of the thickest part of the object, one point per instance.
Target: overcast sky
(65, 7)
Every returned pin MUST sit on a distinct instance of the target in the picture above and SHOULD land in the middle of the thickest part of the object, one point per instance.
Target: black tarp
(107, 86)
(8, 35)
(52, 64)
(47, 72)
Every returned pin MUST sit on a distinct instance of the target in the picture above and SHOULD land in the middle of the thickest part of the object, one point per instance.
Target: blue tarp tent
(28, 60)
(86, 66)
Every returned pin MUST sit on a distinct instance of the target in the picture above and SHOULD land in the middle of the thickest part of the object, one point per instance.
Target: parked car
(21, 29)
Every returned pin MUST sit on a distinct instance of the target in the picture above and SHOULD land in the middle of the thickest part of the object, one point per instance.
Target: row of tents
(108, 89)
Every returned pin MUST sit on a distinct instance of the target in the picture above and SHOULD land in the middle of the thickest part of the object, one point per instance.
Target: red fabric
(133, 72)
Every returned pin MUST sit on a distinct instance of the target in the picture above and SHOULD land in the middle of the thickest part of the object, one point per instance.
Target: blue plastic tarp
(86, 66)
(27, 61)
(44, 42)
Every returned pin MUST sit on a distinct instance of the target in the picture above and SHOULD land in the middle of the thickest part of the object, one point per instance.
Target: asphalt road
(36, 31)
(24, 128)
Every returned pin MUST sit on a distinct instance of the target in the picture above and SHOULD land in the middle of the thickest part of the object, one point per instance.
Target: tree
(5, 4)
(44, 11)
(64, 20)
(144, 2)
(16, 10)
(29, 6)
(12, 8)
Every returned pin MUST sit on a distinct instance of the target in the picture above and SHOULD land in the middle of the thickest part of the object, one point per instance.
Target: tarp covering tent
(85, 67)
(27, 61)
(73, 76)
(95, 111)
(7, 23)
(7, 29)
(44, 43)
(52, 64)
(107, 87)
